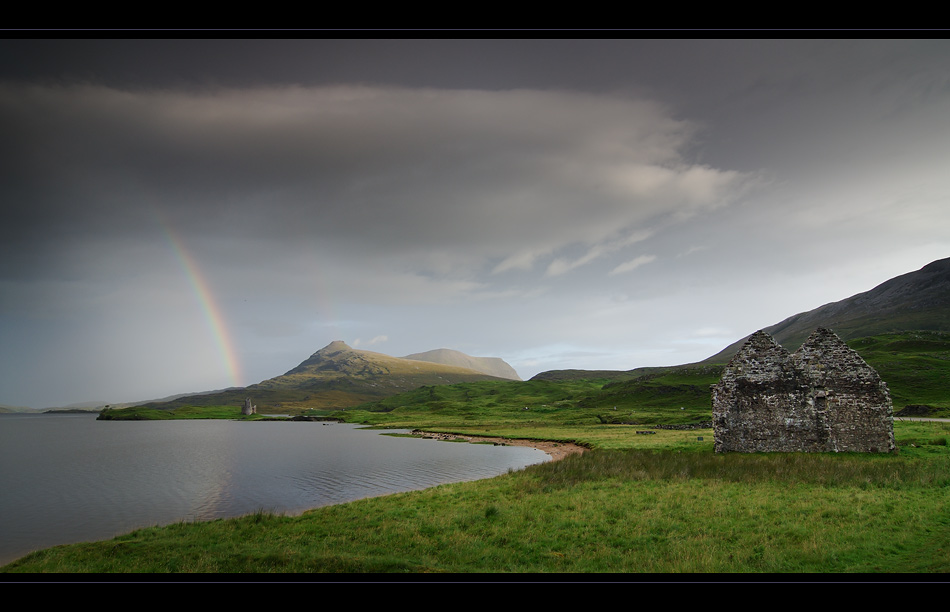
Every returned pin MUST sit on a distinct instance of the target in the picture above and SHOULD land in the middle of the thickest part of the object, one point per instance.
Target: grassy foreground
(631, 510)
(663, 502)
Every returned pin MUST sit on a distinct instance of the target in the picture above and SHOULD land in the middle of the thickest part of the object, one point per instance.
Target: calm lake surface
(68, 478)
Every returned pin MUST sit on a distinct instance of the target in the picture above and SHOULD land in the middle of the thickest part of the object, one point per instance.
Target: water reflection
(69, 478)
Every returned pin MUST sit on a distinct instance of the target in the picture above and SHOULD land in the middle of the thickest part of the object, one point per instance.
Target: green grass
(663, 502)
(915, 365)
(604, 511)
(572, 405)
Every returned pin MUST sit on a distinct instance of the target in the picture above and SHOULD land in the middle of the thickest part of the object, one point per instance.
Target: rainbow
(209, 306)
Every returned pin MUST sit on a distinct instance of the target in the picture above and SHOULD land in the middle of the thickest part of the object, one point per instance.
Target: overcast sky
(188, 215)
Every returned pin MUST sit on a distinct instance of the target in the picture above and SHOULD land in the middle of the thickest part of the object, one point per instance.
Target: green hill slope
(337, 376)
(916, 366)
(915, 301)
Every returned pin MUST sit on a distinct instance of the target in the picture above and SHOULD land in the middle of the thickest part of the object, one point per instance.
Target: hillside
(493, 366)
(5, 409)
(915, 365)
(336, 376)
(914, 301)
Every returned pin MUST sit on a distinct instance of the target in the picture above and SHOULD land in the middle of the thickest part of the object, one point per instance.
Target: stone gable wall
(822, 398)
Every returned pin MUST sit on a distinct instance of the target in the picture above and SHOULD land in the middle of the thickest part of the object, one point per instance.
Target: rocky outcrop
(822, 398)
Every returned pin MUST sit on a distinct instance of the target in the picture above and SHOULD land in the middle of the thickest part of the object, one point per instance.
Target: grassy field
(663, 502)
(916, 366)
(636, 510)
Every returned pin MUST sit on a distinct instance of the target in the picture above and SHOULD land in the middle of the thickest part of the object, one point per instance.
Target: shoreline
(555, 450)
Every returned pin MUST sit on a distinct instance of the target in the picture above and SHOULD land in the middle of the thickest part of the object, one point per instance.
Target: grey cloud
(491, 173)
(496, 198)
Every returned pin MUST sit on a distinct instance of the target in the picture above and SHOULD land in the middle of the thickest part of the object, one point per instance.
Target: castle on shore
(822, 398)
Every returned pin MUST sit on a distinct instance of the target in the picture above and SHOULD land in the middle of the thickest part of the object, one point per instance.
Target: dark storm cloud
(582, 204)
(505, 175)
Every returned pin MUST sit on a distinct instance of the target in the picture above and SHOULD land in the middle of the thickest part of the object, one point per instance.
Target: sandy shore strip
(556, 450)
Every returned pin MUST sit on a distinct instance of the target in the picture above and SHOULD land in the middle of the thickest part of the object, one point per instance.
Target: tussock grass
(852, 470)
(604, 511)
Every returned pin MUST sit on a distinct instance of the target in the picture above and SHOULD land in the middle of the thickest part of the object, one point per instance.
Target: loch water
(68, 478)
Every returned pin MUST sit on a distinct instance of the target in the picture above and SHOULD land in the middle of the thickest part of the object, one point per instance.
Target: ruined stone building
(822, 398)
(248, 408)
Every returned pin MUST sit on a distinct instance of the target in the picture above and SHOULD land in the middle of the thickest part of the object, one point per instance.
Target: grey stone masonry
(248, 408)
(822, 398)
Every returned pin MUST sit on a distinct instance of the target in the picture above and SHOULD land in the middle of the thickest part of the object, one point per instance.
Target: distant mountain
(78, 406)
(336, 376)
(493, 366)
(4, 409)
(97, 406)
(916, 301)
